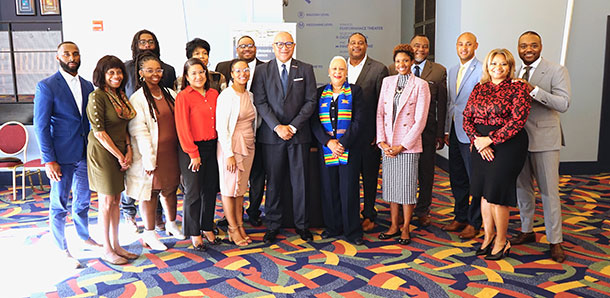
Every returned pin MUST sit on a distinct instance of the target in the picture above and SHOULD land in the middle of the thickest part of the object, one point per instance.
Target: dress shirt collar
(467, 64)
(279, 66)
(68, 77)
(533, 66)
(421, 66)
(353, 71)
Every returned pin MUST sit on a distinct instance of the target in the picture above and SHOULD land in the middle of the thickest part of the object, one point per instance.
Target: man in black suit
(246, 50)
(285, 97)
(368, 74)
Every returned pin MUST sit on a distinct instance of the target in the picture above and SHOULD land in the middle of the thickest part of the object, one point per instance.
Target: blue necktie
(416, 72)
(284, 79)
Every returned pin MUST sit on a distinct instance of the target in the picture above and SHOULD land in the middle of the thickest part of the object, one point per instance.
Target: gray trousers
(544, 167)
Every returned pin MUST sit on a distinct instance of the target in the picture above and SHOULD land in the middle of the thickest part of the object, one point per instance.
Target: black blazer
(293, 109)
(352, 138)
(370, 80)
(225, 69)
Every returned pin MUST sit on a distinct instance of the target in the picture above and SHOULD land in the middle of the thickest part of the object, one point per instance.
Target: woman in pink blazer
(401, 117)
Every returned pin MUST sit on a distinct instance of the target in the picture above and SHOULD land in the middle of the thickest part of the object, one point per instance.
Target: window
(425, 17)
(27, 55)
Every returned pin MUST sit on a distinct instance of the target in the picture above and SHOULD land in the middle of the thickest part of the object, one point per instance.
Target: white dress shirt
(533, 68)
(252, 67)
(353, 72)
(74, 84)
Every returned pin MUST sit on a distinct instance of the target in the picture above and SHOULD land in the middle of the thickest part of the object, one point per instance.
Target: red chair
(13, 141)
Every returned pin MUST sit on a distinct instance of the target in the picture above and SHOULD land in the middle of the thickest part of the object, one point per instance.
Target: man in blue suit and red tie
(62, 127)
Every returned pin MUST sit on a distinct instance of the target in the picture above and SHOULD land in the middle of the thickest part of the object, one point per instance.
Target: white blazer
(144, 132)
(227, 111)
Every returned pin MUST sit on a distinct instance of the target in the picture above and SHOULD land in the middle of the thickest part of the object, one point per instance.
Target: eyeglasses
(238, 71)
(243, 46)
(151, 71)
(201, 72)
(281, 45)
(143, 42)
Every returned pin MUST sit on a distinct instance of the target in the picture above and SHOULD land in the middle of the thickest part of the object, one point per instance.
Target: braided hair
(142, 58)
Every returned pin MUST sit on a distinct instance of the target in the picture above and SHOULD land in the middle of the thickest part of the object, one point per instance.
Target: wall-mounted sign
(25, 7)
(49, 7)
(98, 25)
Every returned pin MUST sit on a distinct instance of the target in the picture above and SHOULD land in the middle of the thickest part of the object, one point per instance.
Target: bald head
(283, 46)
(466, 46)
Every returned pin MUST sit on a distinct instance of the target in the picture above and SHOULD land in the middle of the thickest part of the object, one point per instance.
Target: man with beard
(549, 86)
(62, 127)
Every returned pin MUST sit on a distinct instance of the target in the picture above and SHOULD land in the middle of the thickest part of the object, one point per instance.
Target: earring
(141, 78)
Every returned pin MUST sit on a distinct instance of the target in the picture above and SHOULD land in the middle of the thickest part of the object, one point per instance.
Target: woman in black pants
(195, 124)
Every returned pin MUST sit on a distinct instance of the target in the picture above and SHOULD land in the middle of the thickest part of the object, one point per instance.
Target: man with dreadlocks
(143, 40)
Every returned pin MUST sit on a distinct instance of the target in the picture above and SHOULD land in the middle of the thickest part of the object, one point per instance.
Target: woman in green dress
(109, 150)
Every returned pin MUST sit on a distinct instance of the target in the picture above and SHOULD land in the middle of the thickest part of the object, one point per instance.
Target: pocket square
(431, 82)
(298, 79)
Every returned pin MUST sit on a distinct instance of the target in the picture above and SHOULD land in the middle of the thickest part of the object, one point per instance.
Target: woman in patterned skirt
(401, 117)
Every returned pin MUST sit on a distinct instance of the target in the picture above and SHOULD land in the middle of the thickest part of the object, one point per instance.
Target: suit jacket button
(404, 125)
(408, 114)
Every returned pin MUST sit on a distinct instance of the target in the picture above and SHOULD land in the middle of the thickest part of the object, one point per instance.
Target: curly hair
(403, 48)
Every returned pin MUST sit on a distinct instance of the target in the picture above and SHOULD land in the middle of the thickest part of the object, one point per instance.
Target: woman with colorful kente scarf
(336, 127)
(401, 117)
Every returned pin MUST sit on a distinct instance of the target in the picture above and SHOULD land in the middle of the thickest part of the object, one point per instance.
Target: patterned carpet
(435, 264)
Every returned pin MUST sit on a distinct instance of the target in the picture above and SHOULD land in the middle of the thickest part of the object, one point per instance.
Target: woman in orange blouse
(195, 123)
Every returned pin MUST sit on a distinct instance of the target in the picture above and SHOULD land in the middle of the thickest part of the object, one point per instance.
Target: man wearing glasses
(285, 97)
(143, 40)
(246, 50)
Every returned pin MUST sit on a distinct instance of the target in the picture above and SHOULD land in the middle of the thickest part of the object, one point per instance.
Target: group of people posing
(248, 124)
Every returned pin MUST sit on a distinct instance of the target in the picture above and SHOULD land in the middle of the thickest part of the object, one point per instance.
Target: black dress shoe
(305, 234)
(255, 221)
(384, 236)
(327, 234)
(270, 236)
(523, 238)
(499, 255)
(487, 250)
(358, 241)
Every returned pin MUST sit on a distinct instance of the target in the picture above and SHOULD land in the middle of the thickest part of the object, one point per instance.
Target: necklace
(157, 97)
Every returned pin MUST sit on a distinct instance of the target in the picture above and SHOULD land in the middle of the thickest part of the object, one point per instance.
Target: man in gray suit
(368, 74)
(462, 79)
(549, 86)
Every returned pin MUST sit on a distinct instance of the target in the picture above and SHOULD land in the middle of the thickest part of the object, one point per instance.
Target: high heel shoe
(487, 250)
(499, 255)
(242, 242)
(247, 238)
(215, 240)
(149, 237)
(171, 228)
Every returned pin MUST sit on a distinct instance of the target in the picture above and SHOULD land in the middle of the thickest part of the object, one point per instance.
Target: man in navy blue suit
(285, 97)
(62, 126)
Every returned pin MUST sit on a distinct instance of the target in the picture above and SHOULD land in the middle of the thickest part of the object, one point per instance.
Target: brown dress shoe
(469, 232)
(454, 226)
(367, 225)
(557, 253)
(523, 238)
(424, 220)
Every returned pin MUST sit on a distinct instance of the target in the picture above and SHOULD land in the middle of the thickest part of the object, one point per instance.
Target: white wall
(498, 24)
(122, 19)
